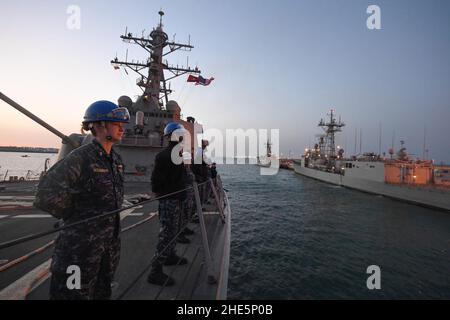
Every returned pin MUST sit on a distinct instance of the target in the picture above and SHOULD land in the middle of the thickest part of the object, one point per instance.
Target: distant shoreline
(28, 150)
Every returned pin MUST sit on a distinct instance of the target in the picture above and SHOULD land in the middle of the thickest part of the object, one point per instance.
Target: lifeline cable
(25, 257)
(51, 243)
(14, 242)
(170, 275)
(46, 272)
(148, 266)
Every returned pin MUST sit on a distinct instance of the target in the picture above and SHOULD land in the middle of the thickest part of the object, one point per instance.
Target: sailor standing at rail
(188, 205)
(168, 178)
(85, 184)
(202, 171)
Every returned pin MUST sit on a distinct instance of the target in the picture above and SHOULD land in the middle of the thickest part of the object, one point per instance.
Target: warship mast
(330, 129)
(269, 148)
(149, 114)
(154, 83)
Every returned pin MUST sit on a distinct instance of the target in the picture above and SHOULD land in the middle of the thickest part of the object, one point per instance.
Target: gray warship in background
(266, 160)
(400, 177)
(24, 267)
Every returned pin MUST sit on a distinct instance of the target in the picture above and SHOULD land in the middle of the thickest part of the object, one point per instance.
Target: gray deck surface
(138, 246)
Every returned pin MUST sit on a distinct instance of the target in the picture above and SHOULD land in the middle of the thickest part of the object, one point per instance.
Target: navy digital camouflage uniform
(86, 183)
(168, 178)
(169, 216)
(188, 203)
(202, 174)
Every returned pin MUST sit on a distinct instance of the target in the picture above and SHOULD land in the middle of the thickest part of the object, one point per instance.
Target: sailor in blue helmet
(169, 182)
(85, 184)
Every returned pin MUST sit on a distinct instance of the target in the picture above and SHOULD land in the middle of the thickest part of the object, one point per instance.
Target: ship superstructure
(143, 137)
(400, 177)
(324, 155)
(153, 109)
(265, 160)
(206, 274)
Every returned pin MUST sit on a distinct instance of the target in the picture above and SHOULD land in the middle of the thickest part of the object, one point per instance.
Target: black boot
(174, 259)
(158, 277)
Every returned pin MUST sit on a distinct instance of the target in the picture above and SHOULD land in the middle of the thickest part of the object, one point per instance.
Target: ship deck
(29, 279)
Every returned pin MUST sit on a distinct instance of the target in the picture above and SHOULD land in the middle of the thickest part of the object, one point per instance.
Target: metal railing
(218, 193)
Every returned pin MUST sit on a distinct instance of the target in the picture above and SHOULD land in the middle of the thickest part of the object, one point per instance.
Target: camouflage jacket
(87, 182)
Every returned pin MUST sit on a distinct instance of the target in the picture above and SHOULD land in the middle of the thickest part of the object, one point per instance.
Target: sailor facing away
(85, 184)
(202, 171)
(168, 178)
(188, 204)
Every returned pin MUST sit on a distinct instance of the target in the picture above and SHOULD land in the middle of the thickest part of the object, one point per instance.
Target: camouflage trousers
(169, 218)
(188, 203)
(96, 254)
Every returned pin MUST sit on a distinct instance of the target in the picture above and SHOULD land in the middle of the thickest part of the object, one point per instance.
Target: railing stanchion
(218, 203)
(209, 264)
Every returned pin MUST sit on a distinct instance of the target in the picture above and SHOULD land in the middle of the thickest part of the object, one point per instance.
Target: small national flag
(199, 80)
(203, 81)
(192, 78)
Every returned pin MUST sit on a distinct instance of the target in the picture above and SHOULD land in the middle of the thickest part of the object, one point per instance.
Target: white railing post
(209, 264)
(218, 202)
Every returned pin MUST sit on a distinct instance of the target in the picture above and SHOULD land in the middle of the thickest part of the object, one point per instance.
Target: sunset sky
(276, 64)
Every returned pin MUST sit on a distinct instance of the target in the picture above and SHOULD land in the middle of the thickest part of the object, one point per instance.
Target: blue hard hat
(106, 111)
(171, 127)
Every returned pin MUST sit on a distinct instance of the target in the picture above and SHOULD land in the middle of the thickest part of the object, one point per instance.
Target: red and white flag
(199, 80)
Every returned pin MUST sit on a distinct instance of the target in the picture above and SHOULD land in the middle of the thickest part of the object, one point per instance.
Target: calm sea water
(297, 238)
(16, 165)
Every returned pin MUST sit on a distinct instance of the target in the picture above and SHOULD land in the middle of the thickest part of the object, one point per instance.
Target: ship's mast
(330, 128)
(269, 148)
(153, 82)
